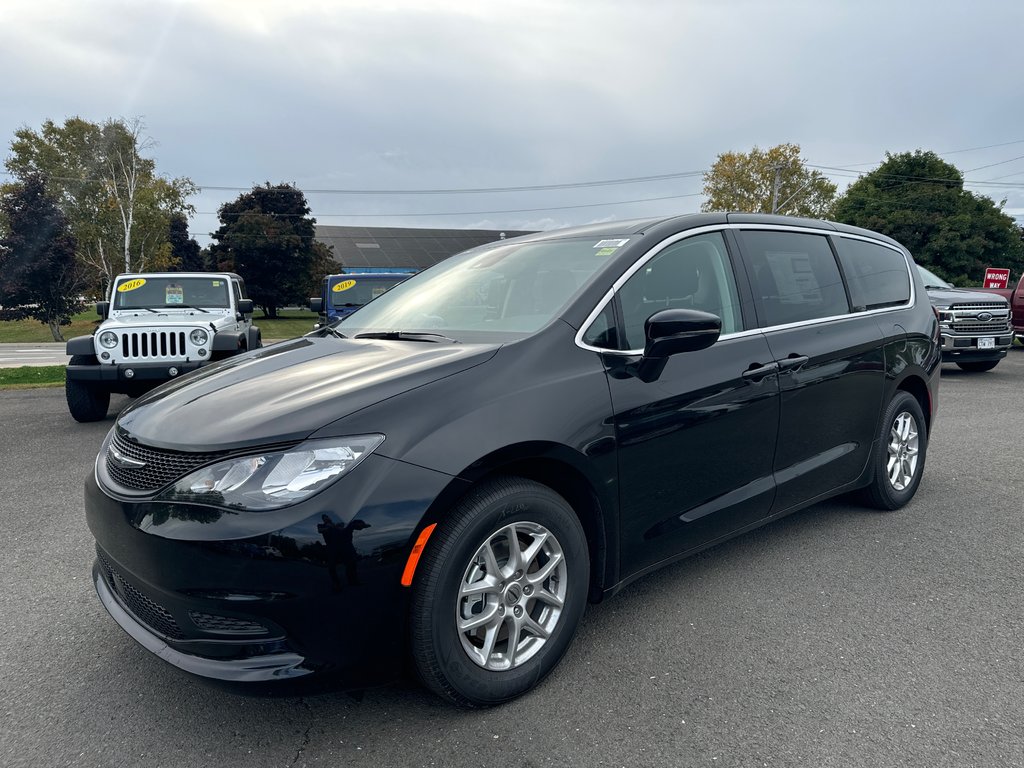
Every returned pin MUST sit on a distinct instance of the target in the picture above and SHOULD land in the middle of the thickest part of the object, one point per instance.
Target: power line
(452, 191)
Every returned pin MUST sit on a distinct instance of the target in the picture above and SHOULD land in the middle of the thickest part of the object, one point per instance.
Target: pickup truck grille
(149, 345)
(980, 318)
(993, 327)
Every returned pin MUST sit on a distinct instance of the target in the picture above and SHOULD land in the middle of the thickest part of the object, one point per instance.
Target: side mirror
(103, 309)
(245, 306)
(673, 331)
(316, 304)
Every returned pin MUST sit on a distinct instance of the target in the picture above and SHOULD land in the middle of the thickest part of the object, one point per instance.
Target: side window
(694, 273)
(795, 276)
(603, 332)
(877, 275)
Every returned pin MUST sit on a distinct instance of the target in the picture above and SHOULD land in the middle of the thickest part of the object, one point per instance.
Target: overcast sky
(446, 94)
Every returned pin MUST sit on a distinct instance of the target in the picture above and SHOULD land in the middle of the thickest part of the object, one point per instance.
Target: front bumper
(267, 596)
(145, 374)
(958, 348)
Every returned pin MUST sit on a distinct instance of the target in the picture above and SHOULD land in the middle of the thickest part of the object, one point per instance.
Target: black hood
(287, 391)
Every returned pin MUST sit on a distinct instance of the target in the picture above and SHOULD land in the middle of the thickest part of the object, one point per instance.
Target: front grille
(149, 345)
(981, 306)
(149, 612)
(992, 328)
(160, 467)
(225, 625)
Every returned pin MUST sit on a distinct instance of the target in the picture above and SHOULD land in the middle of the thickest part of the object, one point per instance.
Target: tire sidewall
(437, 604)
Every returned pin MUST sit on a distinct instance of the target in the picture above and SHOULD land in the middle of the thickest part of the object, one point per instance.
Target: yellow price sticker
(344, 285)
(131, 285)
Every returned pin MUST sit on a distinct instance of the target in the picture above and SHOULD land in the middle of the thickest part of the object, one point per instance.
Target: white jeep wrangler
(156, 327)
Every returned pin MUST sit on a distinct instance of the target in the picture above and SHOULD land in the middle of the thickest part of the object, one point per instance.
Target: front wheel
(988, 365)
(86, 402)
(499, 593)
(899, 457)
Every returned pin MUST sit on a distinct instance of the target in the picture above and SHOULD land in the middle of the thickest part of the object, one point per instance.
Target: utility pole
(775, 189)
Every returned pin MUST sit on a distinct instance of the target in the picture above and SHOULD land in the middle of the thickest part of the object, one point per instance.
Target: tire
(538, 603)
(988, 365)
(86, 402)
(254, 340)
(900, 455)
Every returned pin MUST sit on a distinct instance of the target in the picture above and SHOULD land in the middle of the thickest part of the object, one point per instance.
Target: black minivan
(446, 477)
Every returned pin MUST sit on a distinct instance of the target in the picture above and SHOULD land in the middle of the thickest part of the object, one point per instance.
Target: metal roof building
(399, 248)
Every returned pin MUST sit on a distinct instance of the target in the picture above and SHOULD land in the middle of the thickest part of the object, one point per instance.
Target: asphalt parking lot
(836, 637)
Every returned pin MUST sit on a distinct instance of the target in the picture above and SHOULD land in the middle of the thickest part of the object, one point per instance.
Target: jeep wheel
(499, 592)
(988, 365)
(899, 458)
(87, 402)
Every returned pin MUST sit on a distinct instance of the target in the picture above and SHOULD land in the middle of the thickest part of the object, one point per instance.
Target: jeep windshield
(502, 291)
(171, 292)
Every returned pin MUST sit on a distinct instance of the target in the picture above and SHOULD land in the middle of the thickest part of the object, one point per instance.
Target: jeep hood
(287, 391)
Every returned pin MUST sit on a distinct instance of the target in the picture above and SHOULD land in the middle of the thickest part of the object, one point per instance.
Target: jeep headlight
(108, 339)
(199, 337)
(276, 478)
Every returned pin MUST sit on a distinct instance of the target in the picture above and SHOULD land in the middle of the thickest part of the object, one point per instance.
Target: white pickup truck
(156, 327)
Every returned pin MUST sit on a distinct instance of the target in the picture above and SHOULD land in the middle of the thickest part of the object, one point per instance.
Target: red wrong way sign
(997, 278)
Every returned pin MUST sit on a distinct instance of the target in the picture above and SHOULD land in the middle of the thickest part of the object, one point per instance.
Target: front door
(695, 446)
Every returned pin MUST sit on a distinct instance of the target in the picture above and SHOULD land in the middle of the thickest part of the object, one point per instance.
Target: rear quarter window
(877, 276)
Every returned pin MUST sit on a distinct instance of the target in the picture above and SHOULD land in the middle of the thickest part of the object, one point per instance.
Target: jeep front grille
(144, 345)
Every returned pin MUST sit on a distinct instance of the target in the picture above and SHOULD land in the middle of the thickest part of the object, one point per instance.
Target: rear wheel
(899, 457)
(499, 593)
(86, 402)
(988, 365)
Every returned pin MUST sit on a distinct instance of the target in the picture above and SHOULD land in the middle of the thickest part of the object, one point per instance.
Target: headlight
(199, 337)
(108, 339)
(276, 479)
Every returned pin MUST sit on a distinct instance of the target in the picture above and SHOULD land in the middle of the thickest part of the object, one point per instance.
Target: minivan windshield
(510, 288)
(171, 291)
(931, 280)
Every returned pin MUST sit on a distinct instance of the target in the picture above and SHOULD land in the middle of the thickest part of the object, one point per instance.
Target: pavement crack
(305, 735)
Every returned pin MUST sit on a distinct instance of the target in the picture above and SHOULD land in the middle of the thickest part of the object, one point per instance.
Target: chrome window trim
(642, 261)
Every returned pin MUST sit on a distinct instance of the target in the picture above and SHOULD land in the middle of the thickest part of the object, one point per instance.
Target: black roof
(402, 246)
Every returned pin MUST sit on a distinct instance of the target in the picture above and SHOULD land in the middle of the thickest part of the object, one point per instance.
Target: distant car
(975, 328)
(451, 472)
(156, 327)
(343, 294)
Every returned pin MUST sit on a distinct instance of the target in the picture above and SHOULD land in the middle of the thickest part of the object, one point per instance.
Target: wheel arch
(917, 387)
(556, 467)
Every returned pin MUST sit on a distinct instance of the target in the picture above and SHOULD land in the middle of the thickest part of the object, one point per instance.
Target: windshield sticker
(606, 251)
(374, 293)
(343, 286)
(174, 294)
(131, 285)
(612, 243)
(216, 283)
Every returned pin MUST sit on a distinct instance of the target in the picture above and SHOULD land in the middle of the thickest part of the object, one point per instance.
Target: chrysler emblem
(984, 317)
(124, 462)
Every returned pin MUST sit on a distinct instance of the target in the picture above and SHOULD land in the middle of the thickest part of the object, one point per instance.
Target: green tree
(919, 199)
(39, 277)
(767, 181)
(118, 207)
(267, 236)
(185, 251)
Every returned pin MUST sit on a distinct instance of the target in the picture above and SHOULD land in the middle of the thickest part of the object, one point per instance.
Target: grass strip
(32, 376)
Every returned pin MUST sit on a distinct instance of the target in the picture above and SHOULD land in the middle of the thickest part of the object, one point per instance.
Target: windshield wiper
(936, 287)
(324, 330)
(407, 336)
(188, 306)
